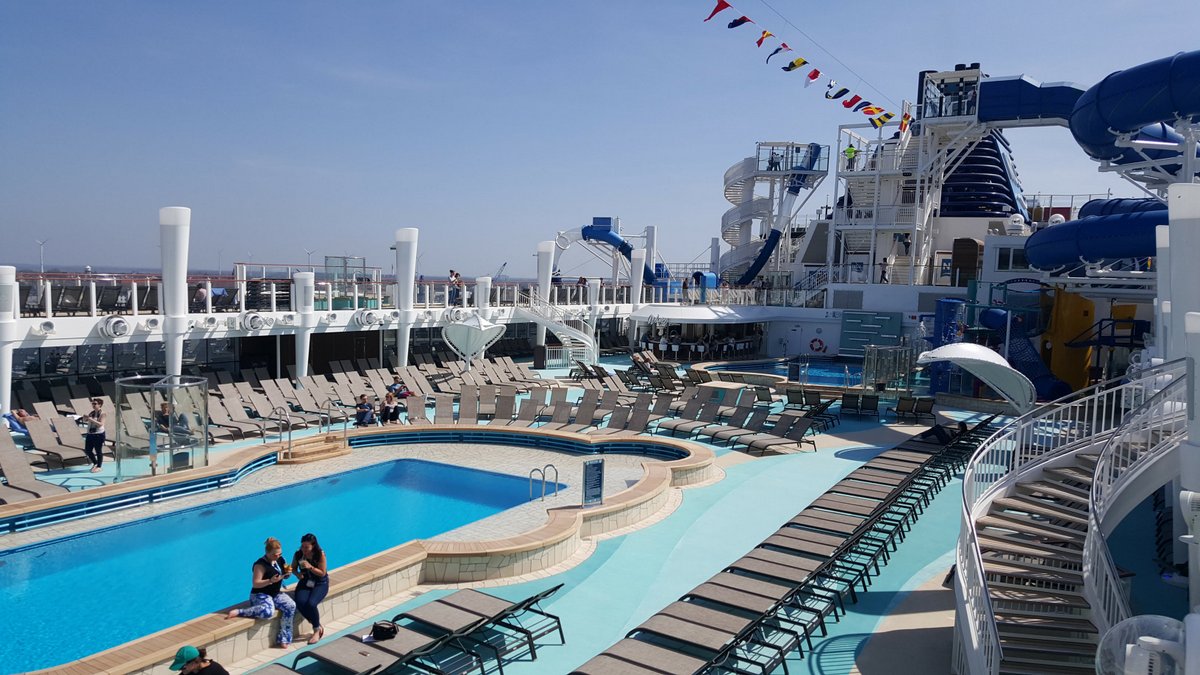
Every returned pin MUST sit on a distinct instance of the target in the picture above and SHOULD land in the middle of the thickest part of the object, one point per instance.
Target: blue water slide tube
(1026, 101)
(763, 256)
(604, 234)
(1023, 356)
(1139, 99)
(798, 182)
(1108, 207)
(1096, 238)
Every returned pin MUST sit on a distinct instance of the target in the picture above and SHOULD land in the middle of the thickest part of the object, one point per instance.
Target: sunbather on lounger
(365, 412)
(943, 435)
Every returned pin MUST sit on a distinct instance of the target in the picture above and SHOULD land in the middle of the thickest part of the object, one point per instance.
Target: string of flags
(853, 102)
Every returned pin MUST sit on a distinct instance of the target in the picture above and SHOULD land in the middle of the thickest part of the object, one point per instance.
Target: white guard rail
(1156, 428)
(1019, 448)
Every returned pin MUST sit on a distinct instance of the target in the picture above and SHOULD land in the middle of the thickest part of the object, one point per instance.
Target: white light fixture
(115, 327)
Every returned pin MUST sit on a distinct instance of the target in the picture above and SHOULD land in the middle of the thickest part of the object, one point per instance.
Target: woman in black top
(93, 440)
(266, 594)
(312, 584)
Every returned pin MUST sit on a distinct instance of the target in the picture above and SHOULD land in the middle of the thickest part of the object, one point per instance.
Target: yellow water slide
(1071, 315)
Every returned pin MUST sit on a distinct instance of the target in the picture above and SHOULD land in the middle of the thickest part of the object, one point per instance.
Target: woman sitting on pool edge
(312, 583)
(266, 594)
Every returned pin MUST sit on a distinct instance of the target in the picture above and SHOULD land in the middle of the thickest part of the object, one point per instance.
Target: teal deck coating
(631, 577)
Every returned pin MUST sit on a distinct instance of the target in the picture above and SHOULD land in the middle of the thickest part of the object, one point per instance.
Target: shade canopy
(990, 368)
(471, 337)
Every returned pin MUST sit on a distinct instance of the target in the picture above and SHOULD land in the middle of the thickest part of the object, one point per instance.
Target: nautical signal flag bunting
(879, 116)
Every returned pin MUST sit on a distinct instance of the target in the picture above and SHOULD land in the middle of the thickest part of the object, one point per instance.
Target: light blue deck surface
(631, 577)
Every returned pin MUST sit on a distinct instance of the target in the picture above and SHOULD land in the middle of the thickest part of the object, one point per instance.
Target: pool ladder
(284, 421)
(543, 473)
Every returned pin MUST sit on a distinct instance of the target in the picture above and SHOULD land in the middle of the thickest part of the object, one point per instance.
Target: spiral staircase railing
(1015, 451)
(1152, 431)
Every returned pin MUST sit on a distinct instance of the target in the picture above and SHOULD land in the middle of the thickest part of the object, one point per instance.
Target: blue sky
(288, 126)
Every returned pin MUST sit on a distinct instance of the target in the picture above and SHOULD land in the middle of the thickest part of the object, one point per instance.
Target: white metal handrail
(1016, 450)
(1153, 430)
(543, 308)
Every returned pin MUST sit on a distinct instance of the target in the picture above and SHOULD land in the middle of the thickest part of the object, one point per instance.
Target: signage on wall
(593, 482)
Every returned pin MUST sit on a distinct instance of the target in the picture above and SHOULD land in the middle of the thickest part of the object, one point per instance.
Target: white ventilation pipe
(305, 286)
(8, 332)
(406, 274)
(174, 227)
(483, 295)
(545, 272)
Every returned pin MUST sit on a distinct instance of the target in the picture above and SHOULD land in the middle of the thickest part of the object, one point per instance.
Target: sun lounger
(923, 408)
(905, 407)
(616, 422)
(416, 411)
(14, 463)
(220, 415)
(782, 426)
(524, 619)
(505, 407)
(633, 657)
(44, 439)
(468, 404)
(706, 416)
(738, 425)
(795, 437)
(355, 656)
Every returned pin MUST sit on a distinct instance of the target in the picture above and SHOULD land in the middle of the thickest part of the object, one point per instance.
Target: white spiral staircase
(1035, 583)
(572, 330)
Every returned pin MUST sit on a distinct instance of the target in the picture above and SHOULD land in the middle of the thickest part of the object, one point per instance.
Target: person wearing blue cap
(193, 661)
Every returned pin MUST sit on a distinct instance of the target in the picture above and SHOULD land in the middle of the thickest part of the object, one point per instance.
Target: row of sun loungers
(766, 605)
(466, 631)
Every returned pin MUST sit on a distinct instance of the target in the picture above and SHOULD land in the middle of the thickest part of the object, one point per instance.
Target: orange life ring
(817, 345)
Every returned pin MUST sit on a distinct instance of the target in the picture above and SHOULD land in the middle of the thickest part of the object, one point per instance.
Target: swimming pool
(829, 373)
(59, 596)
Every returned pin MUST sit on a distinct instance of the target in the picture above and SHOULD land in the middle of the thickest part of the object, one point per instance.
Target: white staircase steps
(1049, 509)
(995, 565)
(1025, 524)
(990, 541)
(1071, 473)
(1058, 491)
(1033, 595)
(1032, 545)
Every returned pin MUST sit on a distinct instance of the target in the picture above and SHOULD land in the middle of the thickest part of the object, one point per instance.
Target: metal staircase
(570, 329)
(1028, 554)
(1032, 549)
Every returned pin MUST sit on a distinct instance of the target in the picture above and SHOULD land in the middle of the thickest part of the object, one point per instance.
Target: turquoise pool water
(60, 597)
(829, 373)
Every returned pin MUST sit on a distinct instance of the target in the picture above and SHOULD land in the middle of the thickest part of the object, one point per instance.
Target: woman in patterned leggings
(266, 593)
